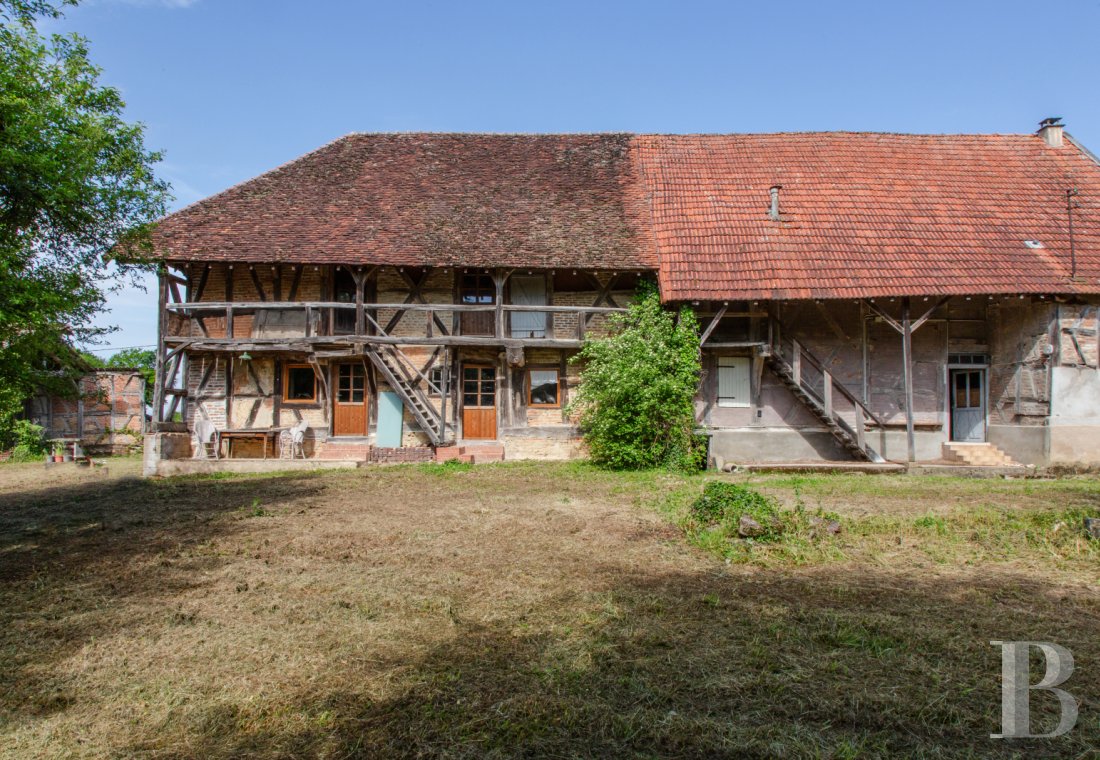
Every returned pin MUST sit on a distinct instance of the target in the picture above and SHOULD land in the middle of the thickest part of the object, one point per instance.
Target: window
(478, 289)
(967, 359)
(299, 383)
(479, 387)
(733, 381)
(435, 378)
(543, 387)
(351, 380)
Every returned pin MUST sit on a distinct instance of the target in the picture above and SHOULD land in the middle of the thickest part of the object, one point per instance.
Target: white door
(968, 405)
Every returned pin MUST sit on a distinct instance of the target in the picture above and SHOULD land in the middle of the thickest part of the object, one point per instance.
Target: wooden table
(263, 434)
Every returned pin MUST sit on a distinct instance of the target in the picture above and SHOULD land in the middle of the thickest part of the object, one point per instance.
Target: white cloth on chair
(297, 439)
(206, 439)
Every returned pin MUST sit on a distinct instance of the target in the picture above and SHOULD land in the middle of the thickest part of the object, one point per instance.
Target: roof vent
(1051, 131)
(773, 209)
(1034, 244)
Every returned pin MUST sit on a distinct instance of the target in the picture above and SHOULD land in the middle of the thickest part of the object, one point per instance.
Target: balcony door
(477, 290)
(349, 403)
(479, 402)
(343, 291)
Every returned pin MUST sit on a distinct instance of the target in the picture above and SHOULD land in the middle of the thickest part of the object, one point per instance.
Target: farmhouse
(403, 297)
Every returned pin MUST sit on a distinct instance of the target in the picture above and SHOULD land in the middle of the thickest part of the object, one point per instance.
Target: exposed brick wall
(407, 454)
(107, 416)
(1019, 372)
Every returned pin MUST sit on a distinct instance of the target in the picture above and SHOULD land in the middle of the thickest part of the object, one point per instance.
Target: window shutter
(733, 381)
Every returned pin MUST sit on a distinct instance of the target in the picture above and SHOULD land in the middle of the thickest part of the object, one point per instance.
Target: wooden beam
(885, 317)
(257, 284)
(201, 288)
(907, 373)
(604, 294)
(713, 324)
(924, 317)
(294, 283)
(162, 313)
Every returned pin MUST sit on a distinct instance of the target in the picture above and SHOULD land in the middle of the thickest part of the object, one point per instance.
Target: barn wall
(107, 416)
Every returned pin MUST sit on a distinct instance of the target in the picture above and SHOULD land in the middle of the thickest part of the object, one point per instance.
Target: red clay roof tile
(868, 215)
(862, 214)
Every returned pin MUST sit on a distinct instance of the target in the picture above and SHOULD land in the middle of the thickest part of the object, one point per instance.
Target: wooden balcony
(306, 325)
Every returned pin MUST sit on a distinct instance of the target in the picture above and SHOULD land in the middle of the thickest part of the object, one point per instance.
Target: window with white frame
(733, 381)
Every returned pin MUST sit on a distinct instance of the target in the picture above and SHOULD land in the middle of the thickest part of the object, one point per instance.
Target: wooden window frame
(287, 366)
(527, 380)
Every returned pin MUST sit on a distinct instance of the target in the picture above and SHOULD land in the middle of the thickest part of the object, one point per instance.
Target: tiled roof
(868, 214)
(862, 214)
(429, 199)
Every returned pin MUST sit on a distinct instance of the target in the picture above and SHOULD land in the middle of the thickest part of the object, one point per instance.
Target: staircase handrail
(807, 355)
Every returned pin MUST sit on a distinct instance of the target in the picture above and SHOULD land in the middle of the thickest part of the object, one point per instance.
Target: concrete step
(977, 455)
(359, 452)
(474, 454)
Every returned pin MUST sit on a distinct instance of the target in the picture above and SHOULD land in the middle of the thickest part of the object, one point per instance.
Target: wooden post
(865, 356)
(360, 314)
(827, 391)
(907, 370)
(158, 380)
(796, 362)
(498, 280)
(861, 434)
(309, 321)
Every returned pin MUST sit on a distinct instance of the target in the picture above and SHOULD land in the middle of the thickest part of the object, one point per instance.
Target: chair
(206, 440)
(297, 439)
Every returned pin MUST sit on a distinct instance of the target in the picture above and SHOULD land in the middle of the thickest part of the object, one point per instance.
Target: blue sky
(231, 88)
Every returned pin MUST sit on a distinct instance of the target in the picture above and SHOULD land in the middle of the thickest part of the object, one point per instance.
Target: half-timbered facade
(862, 296)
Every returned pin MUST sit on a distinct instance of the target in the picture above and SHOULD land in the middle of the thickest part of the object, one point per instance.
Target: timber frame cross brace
(906, 327)
(415, 295)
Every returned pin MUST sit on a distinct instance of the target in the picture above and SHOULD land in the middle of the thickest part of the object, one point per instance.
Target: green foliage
(725, 503)
(75, 181)
(143, 360)
(26, 441)
(634, 405)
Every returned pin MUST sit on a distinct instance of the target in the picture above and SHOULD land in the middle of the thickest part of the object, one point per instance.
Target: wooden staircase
(808, 379)
(405, 380)
(977, 455)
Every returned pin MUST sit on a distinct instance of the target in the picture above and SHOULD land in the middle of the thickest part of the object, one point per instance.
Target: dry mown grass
(522, 610)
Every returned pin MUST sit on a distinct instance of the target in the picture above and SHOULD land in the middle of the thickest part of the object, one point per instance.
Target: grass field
(527, 609)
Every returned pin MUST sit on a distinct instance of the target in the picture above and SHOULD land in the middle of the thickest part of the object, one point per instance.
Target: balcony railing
(446, 323)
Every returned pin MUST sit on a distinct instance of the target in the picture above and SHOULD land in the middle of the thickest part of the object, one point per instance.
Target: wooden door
(477, 290)
(479, 402)
(349, 405)
(968, 405)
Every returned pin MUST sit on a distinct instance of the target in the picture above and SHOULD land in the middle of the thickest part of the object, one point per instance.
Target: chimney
(1051, 131)
(773, 210)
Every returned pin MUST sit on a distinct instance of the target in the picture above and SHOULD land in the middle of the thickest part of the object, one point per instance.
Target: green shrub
(635, 403)
(27, 441)
(723, 504)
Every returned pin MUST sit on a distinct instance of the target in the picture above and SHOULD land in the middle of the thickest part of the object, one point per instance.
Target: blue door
(391, 413)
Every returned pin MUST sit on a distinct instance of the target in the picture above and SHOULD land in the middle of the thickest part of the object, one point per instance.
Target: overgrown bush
(635, 401)
(724, 504)
(716, 517)
(27, 441)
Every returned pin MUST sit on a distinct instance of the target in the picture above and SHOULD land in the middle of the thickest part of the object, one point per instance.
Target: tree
(635, 403)
(76, 180)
